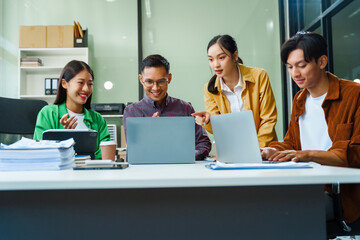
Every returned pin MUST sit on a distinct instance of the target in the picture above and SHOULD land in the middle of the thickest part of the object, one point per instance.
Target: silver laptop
(236, 138)
(159, 140)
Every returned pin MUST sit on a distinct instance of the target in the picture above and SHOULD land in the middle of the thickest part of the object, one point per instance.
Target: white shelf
(37, 96)
(54, 51)
(42, 69)
(31, 79)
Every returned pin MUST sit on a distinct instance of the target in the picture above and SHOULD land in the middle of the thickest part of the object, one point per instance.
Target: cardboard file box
(32, 37)
(60, 36)
(81, 42)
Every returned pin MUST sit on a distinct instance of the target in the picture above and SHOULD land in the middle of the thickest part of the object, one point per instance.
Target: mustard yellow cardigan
(257, 96)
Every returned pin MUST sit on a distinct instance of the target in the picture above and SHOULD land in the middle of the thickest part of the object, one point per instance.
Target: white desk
(169, 176)
(167, 202)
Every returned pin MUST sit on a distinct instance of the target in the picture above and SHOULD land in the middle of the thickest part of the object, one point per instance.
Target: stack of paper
(30, 155)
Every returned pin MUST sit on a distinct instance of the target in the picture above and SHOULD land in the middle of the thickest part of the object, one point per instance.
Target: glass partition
(345, 40)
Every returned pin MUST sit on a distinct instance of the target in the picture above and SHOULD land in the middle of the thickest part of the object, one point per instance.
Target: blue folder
(266, 165)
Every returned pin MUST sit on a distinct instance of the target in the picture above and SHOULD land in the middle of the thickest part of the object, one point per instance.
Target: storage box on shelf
(31, 79)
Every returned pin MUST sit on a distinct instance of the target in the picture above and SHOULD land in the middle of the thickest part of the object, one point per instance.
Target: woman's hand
(68, 123)
(201, 118)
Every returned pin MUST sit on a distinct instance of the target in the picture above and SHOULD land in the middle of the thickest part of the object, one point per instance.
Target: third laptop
(236, 138)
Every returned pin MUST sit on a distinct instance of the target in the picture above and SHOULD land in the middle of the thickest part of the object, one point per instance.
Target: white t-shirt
(236, 103)
(80, 120)
(313, 127)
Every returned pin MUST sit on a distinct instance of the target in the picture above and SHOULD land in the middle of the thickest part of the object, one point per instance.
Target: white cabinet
(32, 79)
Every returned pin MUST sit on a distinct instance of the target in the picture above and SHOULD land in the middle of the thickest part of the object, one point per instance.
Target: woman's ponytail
(211, 86)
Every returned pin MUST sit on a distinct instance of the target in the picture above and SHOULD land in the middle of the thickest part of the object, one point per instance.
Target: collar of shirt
(87, 117)
(149, 101)
(333, 93)
(238, 86)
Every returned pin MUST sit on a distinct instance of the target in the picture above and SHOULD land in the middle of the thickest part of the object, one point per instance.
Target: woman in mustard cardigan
(235, 88)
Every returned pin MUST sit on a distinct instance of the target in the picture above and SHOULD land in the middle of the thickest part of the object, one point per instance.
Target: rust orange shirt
(342, 114)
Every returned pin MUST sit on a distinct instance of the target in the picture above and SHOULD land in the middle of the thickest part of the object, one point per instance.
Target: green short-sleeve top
(50, 115)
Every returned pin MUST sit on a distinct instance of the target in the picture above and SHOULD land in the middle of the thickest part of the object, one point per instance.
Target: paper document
(30, 155)
(267, 165)
(27, 143)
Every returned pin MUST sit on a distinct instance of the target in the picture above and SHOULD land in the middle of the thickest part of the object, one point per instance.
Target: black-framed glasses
(160, 83)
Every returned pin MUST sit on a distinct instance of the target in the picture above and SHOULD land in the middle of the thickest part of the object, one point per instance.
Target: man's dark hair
(155, 60)
(313, 44)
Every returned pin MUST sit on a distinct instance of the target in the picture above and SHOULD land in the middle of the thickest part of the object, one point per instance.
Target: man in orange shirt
(325, 118)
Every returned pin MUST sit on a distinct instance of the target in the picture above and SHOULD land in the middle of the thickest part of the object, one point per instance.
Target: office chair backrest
(18, 116)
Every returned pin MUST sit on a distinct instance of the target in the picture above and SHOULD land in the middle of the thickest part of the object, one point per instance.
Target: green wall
(112, 28)
(179, 30)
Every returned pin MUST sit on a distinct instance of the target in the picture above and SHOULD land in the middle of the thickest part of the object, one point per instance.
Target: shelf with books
(41, 64)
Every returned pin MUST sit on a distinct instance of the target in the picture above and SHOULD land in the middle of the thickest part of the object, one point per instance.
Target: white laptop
(236, 138)
(159, 140)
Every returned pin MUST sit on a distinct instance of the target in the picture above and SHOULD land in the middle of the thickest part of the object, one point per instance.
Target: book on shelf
(54, 85)
(30, 59)
(80, 159)
(30, 62)
(48, 89)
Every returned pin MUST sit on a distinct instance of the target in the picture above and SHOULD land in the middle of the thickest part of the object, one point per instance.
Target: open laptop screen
(236, 138)
(157, 140)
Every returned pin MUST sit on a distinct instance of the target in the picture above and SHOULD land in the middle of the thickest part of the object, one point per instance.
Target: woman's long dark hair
(227, 42)
(69, 72)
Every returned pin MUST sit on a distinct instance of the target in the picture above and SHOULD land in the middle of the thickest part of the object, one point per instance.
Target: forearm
(211, 107)
(208, 127)
(267, 112)
(266, 134)
(324, 158)
(281, 146)
(202, 145)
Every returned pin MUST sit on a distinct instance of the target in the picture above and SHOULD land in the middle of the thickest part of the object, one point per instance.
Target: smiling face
(221, 61)
(306, 74)
(78, 90)
(156, 92)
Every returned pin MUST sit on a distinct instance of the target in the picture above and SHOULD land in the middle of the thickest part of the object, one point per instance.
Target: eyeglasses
(160, 83)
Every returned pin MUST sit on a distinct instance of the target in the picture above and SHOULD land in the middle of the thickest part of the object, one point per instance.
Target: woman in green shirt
(71, 109)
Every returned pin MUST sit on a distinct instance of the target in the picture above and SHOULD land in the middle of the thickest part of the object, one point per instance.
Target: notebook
(85, 139)
(236, 138)
(160, 140)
